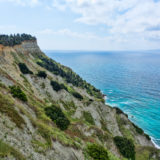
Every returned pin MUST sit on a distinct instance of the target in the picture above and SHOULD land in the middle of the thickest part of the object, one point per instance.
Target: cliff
(48, 112)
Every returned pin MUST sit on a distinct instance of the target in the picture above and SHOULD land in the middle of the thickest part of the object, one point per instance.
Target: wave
(155, 144)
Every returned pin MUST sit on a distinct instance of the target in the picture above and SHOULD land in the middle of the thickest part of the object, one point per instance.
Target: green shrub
(7, 108)
(119, 111)
(88, 117)
(6, 151)
(97, 152)
(62, 123)
(125, 146)
(18, 93)
(42, 74)
(57, 87)
(148, 137)
(138, 130)
(77, 95)
(56, 114)
(24, 69)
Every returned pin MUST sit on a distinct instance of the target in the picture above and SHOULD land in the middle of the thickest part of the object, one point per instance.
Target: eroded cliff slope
(47, 112)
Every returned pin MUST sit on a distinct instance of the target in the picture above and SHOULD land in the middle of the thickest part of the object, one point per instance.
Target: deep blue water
(131, 81)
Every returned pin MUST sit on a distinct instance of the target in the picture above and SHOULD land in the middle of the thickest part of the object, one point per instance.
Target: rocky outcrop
(28, 47)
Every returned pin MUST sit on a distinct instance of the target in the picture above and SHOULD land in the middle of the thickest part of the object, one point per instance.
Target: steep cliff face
(28, 47)
(28, 132)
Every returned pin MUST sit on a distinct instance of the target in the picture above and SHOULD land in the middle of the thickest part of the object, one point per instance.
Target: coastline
(106, 99)
(156, 145)
(152, 139)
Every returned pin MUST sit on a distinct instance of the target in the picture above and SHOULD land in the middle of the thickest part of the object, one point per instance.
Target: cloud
(59, 5)
(67, 32)
(125, 21)
(120, 16)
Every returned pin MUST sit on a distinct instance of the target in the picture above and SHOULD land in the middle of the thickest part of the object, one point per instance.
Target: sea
(129, 79)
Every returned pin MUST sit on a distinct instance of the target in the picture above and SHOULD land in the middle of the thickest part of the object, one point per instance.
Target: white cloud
(121, 16)
(69, 33)
(126, 21)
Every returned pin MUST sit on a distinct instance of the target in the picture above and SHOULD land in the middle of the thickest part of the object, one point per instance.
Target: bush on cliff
(56, 114)
(18, 93)
(57, 86)
(125, 146)
(24, 69)
(42, 74)
(97, 152)
(77, 95)
(138, 130)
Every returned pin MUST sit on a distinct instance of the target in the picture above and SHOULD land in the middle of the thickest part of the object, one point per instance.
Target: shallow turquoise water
(131, 81)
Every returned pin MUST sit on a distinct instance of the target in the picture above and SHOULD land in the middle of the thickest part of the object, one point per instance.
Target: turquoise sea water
(131, 81)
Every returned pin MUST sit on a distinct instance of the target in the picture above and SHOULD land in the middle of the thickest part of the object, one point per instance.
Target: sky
(85, 24)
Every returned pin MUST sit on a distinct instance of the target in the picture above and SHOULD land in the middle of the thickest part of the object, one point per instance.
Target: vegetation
(68, 75)
(119, 111)
(147, 153)
(88, 117)
(138, 130)
(18, 93)
(77, 95)
(57, 87)
(125, 146)
(43, 131)
(6, 151)
(148, 137)
(97, 152)
(24, 69)
(69, 105)
(56, 114)
(11, 40)
(7, 108)
(42, 74)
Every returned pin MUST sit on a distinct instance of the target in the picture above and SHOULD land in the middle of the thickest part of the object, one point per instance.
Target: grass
(126, 132)
(103, 136)
(50, 133)
(39, 146)
(69, 105)
(45, 132)
(113, 157)
(88, 117)
(144, 153)
(7, 108)
(103, 125)
(7, 151)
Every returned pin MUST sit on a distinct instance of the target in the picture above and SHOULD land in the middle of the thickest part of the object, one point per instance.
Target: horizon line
(77, 50)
